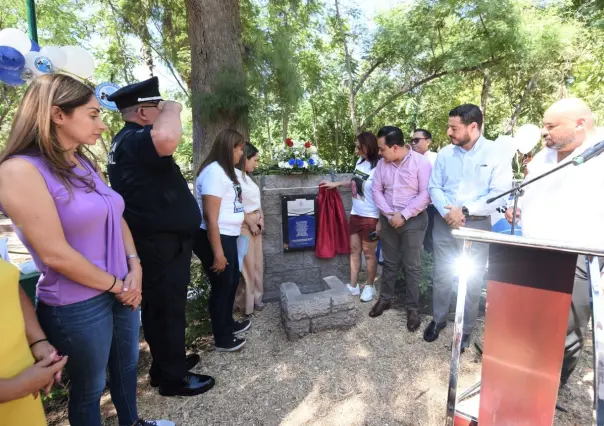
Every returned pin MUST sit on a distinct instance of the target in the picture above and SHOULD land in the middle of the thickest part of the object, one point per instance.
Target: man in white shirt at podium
(567, 205)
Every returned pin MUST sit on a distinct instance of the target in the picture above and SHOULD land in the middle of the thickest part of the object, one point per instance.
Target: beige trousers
(251, 284)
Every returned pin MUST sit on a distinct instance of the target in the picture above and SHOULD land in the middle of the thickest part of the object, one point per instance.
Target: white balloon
(528, 136)
(16, 39)
(56, 55)
(506, 147)
(79, 61)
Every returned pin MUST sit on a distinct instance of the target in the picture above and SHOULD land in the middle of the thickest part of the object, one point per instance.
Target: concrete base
(301, 314)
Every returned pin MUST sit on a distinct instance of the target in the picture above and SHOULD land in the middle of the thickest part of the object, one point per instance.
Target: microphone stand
(518, 191)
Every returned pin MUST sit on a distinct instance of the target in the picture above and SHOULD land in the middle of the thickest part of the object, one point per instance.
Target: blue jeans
(96, 333)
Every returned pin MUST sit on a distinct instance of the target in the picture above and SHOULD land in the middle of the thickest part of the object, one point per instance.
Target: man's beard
(461, 142)
(561, 144)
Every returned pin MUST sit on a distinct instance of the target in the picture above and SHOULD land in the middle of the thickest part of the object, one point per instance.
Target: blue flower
(311, 161)
(292, 162)
(299, 163)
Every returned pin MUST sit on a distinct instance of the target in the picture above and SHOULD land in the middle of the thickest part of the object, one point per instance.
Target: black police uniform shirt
(156, 194)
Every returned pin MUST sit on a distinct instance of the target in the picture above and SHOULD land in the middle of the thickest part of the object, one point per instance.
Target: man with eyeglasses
(420, 143)
(163, 217)
(466, 174)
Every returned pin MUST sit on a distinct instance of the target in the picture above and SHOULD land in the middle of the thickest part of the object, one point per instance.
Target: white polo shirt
(568, 205)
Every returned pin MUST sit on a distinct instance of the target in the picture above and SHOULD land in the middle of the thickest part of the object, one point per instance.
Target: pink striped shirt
(404, 187)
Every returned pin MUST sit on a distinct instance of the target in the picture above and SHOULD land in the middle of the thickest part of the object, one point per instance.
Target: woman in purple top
(71, 222)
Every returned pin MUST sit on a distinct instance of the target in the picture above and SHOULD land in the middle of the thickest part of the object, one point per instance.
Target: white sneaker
(355, 291)
(141, 422)
(368, 293)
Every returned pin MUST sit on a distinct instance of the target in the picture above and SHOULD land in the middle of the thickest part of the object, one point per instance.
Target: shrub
(198, 315)
(426, 279)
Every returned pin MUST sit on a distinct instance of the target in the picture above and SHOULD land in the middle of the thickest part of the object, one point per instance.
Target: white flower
(313, 149)
(296, 153)
(315, 157)
(305, 165)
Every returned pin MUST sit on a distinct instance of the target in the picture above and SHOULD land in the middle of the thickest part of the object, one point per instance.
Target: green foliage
(417, 61)
(198, 315)
(228, 97)
(425, 284)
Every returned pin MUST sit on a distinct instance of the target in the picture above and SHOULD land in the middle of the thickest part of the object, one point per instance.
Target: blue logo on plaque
(301, 231)
(103, 91)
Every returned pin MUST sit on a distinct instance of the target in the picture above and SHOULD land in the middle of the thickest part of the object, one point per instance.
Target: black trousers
(428, 242)
(224, 285)
(166, 262)
(580, 314)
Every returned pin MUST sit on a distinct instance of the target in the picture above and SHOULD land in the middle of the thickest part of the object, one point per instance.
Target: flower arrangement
(297, 156)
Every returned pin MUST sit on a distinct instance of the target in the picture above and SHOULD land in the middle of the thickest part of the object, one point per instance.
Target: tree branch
(421, 82)
(157, 52)
(530, 86)
(351, 94)
(367, 74)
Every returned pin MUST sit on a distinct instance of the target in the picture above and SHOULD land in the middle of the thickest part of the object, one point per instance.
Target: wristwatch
(465, 211)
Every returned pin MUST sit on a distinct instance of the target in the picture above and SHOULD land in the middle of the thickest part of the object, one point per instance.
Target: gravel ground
(374, 374)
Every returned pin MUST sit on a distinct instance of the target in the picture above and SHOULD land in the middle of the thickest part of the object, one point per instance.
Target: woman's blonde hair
(34, 133)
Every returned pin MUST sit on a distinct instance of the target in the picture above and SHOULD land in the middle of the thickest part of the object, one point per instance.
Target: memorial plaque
(299, 222)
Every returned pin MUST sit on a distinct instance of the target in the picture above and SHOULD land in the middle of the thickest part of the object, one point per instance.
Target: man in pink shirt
(400, 192)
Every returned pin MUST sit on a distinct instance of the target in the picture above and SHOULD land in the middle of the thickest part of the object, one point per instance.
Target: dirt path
(374, 374)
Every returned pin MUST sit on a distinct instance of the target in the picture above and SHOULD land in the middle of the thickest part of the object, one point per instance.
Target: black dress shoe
(192, 384)
(413, 320)
(192, 360)
(378, 309)
(433, 330)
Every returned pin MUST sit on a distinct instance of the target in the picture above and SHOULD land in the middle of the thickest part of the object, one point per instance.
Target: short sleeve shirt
(214, 181)
(157, 196)
(362, 195)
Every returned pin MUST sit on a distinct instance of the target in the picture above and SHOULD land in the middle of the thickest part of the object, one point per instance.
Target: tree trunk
(268, 119)
(351, 94)
(215, 39)
(484, 97)
(527, 90)
(285, 125)
(314, 123)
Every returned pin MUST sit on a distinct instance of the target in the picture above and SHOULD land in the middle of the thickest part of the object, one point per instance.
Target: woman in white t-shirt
(364, 217)
(251, 288)
(218, 193)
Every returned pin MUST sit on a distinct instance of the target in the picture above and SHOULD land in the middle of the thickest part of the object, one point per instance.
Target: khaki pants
(251, 285)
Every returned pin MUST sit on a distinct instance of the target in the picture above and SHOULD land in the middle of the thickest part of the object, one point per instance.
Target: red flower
(307, 144)
(289, 142)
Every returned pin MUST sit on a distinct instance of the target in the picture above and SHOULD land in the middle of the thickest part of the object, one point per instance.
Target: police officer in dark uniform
(163, 217)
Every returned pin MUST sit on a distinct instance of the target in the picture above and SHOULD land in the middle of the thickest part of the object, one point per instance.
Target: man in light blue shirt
(466, 174)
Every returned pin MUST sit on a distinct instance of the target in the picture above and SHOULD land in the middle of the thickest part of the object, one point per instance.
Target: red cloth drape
(332, 228)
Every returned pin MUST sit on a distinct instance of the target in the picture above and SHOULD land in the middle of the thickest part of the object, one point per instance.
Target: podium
(530, 283)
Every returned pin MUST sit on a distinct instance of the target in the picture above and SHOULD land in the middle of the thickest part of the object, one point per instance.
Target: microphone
(589, 153)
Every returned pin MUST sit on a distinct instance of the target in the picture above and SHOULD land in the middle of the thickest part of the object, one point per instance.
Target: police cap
(134, 94)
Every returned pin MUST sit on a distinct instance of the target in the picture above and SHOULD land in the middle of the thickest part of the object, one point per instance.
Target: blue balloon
(35, 47)
(11, 77)
(11, 58)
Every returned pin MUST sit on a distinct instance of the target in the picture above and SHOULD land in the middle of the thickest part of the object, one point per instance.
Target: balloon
(37, 64)
(15, 39)
(55, 55)
(35, 47)
(11, 77)
(79, 61)
(527, 136)
(506, 146)
(11, 58)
